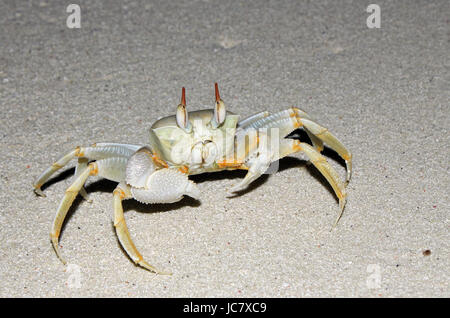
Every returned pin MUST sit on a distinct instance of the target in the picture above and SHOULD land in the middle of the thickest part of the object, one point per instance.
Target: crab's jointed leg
(160, 184)
(290, 146)
(81, 165)
(258, 158)
(253, 118)
(67, 201)
(110, 168)
(122, 192)
(256, 143)
(325, 136)
(60, 163)
(95, 152)
(293, 118)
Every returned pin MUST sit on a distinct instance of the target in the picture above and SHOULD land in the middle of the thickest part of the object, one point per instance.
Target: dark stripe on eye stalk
(182, 114)
(219, 109)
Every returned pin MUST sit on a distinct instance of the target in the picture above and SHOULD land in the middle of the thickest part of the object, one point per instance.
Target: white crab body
(191, 143)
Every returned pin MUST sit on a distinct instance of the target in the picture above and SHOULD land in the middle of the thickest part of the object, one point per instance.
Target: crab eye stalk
(182, 114)
(219, 110)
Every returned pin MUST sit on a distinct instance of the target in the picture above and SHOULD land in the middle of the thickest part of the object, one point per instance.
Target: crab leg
(255, 154)
(110, 168)
(293, 118)
(250, 120)
(81, 165)
(95, 152)
(285, 121)
(324, 135)
(61, 162)
(319, 135)
(114, 169)
(289, 146)
(66, 202)
(120, 193)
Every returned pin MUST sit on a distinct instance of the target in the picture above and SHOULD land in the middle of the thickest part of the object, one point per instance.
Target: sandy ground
(384, 92)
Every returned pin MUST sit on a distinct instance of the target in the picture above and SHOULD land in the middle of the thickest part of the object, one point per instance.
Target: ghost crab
(191, 143)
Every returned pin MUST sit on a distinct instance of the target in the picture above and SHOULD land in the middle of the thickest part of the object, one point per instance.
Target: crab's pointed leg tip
(152, 269)
(230, 194)
(38, 191)
(341, 206)
(234, 191)
(335, 223)
(58, 253)
(56, 248)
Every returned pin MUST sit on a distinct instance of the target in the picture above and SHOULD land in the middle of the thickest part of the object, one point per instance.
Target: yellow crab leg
(94, 152)
(66, 203)
(334, 143)
(81, 165)
(60, 163)
(293, 118)
(289, 146)
(120, 193)
(111, 168)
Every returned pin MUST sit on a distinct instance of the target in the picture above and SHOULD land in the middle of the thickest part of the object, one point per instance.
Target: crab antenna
(219, 109)
(182, 114)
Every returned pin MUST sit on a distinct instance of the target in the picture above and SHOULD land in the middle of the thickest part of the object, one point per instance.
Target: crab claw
(151, 184)
(182, 114)
(219, 109)
(166, 186)
(139, 167)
